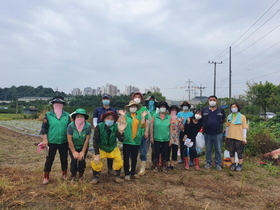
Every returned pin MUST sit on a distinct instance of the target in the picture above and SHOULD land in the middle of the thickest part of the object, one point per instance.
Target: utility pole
(189, 88)
(215, 63)
(201, 89)
(229, 95)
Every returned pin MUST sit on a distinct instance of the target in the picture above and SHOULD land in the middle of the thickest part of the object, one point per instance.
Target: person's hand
(244, 142)
(96, 159)
(75, 155)
(144, 114)
(122, 112)
(44, 143)
(81, 155)
(152, 140)
(121, 124)
(170, 143)
(146, 134)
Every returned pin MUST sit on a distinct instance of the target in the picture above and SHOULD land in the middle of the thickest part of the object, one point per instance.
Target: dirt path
(21, 169)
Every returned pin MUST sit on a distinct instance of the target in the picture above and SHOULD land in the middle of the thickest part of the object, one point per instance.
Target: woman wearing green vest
(144, 146)
(53, 131)
(132, 137)
(105, 144)
(78, 134)
(160, 135)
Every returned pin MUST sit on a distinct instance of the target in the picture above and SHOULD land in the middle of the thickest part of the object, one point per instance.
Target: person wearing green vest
(105, 144)
(132, 137)
(78, 135)
(53, 131)
(160, 135)
(144, 146)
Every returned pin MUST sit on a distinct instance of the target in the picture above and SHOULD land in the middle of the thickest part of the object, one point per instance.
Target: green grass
(11, 116)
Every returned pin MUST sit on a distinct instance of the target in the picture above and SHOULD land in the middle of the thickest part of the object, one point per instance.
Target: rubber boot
(196, 164)
(64, 174)
(142, 168)
(164, 168)
(186, 161)
(110, 166)
(46, 179)
(117, 176)
(96, 175)
(155, 165)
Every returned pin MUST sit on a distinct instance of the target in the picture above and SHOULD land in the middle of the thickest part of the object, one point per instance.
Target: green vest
(108, 144)
(57, 127)
(128, 130)
(147, 117)
(79, 138)
(162, 128)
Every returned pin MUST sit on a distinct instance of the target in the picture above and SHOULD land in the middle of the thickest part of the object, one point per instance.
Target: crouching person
(78, 134)
(105, 145)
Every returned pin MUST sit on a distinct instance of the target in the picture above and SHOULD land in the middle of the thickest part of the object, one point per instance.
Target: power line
(256, 29)
(259, 54)
(254, 23)
(256, 41)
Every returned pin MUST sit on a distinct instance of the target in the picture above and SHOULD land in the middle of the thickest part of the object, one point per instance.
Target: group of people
(165, 128)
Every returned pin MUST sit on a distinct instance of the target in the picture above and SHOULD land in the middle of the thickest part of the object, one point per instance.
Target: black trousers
(174, 149)
(161, 147)
(130, 151)
(193, 153)
(63, 153)
(182, 146)
(77, 165)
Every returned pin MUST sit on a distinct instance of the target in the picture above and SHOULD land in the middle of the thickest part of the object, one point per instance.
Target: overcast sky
(164, 43)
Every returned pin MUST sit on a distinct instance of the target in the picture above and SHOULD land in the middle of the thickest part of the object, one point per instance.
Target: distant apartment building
(130, 89)
(76, 92)
(88, 91)
(152, 89)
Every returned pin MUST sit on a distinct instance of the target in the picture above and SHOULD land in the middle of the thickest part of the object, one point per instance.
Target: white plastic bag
(200, 141)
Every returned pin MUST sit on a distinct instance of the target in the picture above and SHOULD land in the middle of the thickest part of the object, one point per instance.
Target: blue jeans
(144, 147)
(215, 140)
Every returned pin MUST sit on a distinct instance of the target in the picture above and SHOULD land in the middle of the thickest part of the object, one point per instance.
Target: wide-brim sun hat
(58, 99)
(149, 97)
(185, 103)
(131, 103)
(106, 114)
(137, 93)
(163, 103)
(174, 107)
(80, 111)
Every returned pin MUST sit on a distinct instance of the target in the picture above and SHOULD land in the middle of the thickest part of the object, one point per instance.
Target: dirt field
(21, 173)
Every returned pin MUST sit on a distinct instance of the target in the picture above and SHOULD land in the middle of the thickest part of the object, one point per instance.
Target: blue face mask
(109, 123)
(106, 102)
(151, 103)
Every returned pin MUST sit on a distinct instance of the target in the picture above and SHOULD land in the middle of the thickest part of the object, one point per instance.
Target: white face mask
(137, 100)
(234, 110)
(132, 109)
(197, 116)
(162, 109)
(185, 108)
(212, 103)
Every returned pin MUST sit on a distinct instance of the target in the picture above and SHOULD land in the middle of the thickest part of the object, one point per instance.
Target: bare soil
(21, 174)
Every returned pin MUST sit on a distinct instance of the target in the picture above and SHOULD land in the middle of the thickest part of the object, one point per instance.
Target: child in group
(78, 135)
(132, 137)
(191, 128)
(175, 131)
(105, 145)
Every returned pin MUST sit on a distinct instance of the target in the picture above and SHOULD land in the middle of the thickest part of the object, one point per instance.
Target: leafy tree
(260, 94)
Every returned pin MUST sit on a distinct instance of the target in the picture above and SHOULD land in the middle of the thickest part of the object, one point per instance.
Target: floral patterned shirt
(175, 129)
